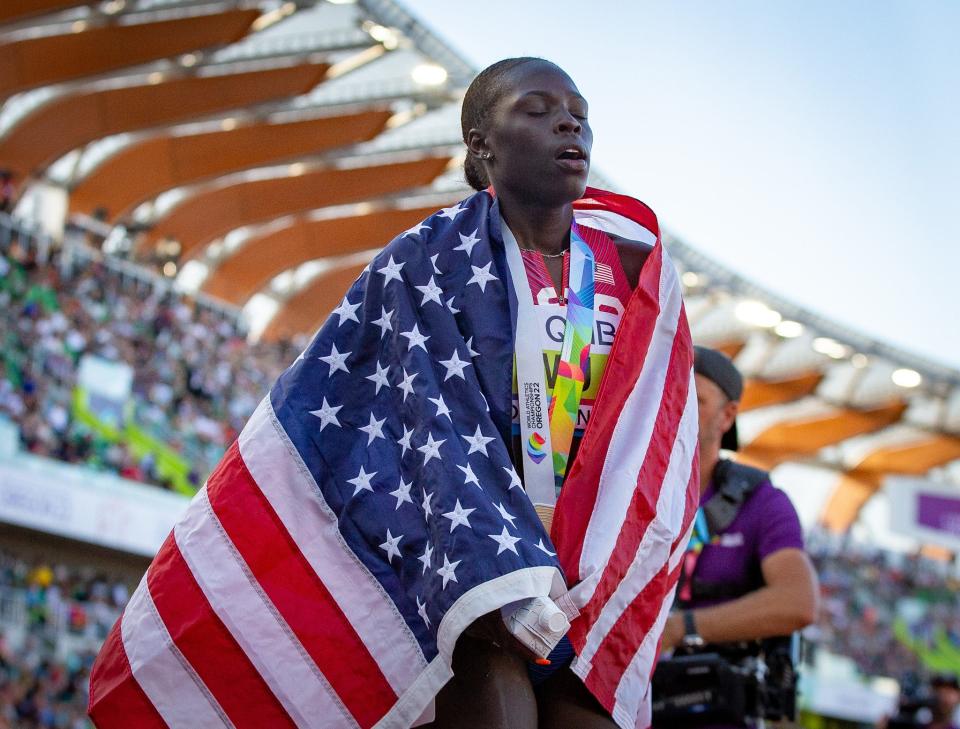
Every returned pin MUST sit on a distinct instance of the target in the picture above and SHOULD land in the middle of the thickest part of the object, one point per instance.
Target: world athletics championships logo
(535, 447)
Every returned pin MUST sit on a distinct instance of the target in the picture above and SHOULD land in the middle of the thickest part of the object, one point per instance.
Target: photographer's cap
(719, 369)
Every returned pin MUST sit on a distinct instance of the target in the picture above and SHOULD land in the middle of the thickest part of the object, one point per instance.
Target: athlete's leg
(490, 689)
(563, 702)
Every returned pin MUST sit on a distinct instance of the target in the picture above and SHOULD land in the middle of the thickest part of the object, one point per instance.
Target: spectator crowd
(196, 378)
(52, 621)
(887, 611)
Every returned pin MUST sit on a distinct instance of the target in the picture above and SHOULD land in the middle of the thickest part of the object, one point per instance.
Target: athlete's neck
(538, 227)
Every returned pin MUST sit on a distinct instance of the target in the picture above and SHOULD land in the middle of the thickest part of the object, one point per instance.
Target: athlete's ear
(476, 142)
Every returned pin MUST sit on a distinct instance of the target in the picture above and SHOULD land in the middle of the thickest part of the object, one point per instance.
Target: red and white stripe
(246, 614)
(624, 515)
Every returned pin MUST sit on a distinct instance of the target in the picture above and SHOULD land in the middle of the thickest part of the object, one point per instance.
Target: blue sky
(813, 147)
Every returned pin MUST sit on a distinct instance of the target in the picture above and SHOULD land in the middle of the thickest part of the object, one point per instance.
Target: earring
(486, 155)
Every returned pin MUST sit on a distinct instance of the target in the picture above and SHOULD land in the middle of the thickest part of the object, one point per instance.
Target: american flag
(369, 511)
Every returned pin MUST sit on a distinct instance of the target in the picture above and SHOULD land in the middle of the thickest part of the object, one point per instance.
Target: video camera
(742, 683)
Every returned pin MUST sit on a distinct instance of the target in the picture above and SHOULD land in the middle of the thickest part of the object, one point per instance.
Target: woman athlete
(526, 128)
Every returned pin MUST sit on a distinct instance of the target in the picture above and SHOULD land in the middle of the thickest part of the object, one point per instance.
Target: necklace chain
(562, 253)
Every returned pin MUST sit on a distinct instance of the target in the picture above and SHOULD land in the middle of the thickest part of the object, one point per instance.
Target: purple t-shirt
(766, 523)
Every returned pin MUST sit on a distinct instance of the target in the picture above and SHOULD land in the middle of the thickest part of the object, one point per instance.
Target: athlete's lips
(572, 157)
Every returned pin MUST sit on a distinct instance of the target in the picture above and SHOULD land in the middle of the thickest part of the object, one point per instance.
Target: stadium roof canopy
(259, 151)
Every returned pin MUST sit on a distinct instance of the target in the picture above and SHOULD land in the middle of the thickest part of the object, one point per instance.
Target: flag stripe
(293, 587)
(671, 511)
(651, 506)
(575, 506)
(632, 697)
(649, 418)
(629, 446)
(295, 498)
(111, 675)
(603, 684)
(161, 670)
(207, 644)
(253, 620)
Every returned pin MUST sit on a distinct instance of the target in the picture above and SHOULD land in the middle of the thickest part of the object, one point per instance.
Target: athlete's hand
(491, 628)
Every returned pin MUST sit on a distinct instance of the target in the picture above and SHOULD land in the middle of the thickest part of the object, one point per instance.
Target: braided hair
(482, 95)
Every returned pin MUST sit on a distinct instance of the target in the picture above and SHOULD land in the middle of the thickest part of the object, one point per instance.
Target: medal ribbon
(574, 355)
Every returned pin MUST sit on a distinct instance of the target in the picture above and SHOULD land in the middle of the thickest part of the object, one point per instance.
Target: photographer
(745, 576)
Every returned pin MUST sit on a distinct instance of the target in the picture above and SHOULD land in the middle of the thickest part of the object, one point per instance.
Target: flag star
(336, 360)
(514, 478)
(468, 475)
(481, 276)
(415, 230)
(470, 349)
(427, 510)
(433, 260)
(543, 549)
(347, 311)
(454, 366)
(505, 541)
(442, 408)
(478, 442)
(422, 610)
(458, 516)
(373, 429)
(415, 338)
(362, 481)
(507, 516)
(379, 377)
(391, 270)
(452, 212)
(384, 321)
(467, 242)
(447, 572)
(407, 384)
(402, 493)
(425, 558)
(390, 546)
(431, 449)
(405, 440)
(486, 405)
(450, 306)
(327, 414)
(430, 291)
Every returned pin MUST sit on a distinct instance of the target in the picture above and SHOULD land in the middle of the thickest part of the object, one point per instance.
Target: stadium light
(389, 37)
(904, 377)
(788, 329)
(429, 74)
(830, 347)
(859, 360)
(690, 279)
(758, 314)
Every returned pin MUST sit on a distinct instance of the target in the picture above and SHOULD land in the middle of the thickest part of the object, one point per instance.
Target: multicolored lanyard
(574, 355)
(547, 424)
(698, 540)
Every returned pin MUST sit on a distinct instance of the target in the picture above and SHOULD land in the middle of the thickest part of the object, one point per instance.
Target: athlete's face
(538, 137)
